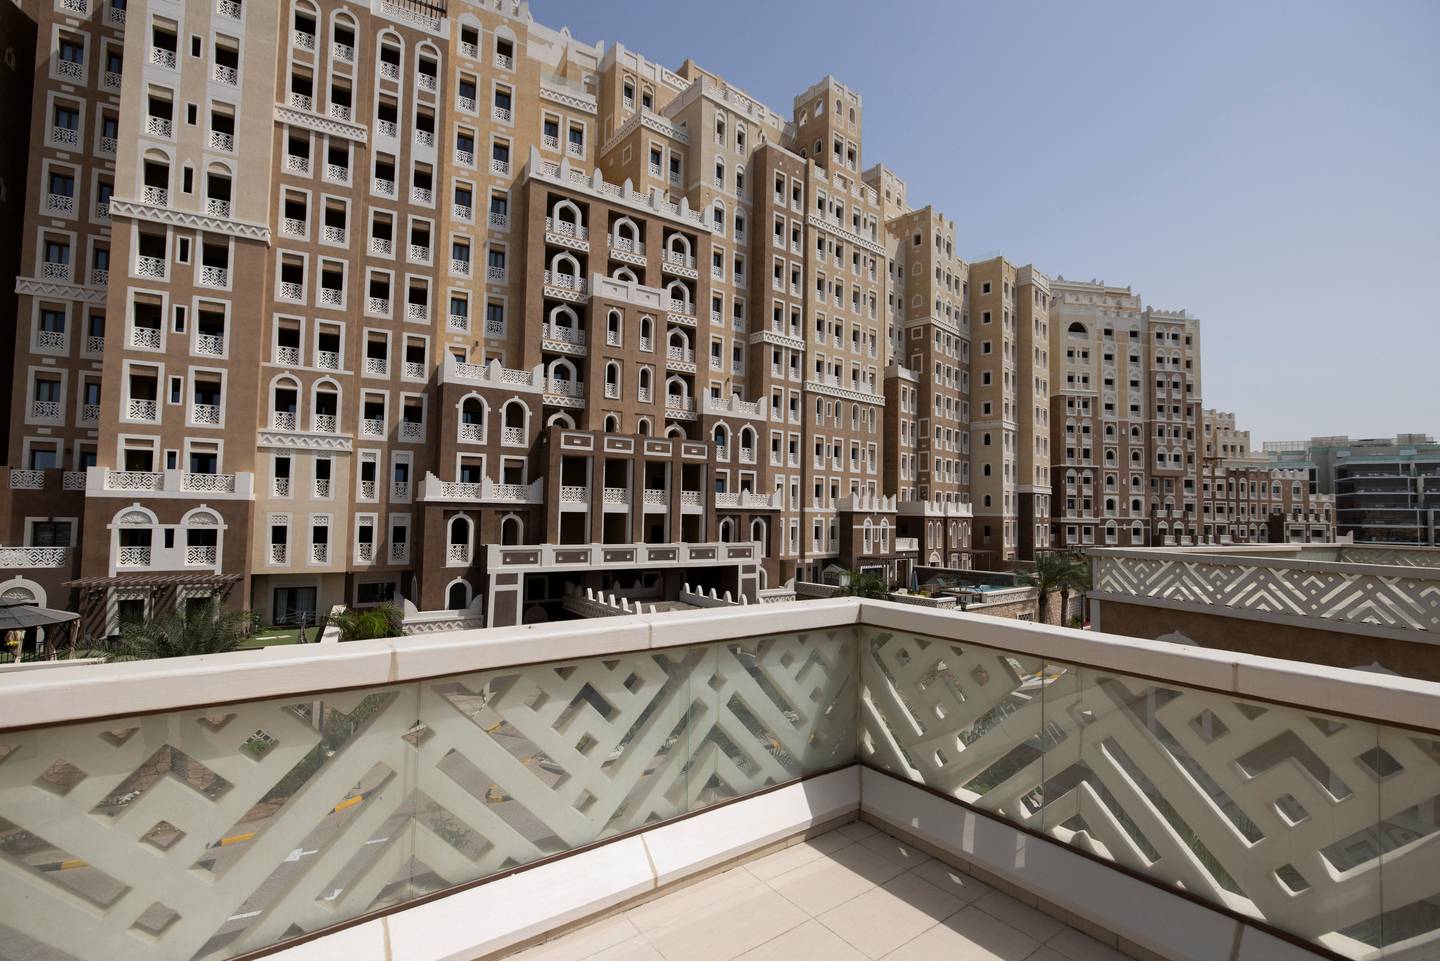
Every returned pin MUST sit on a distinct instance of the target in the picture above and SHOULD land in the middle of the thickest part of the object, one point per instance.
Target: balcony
(226, 75)
(33, 558)
(60, 205)
(219, 140)
(45, 410)
(937, 730)
(205, 415)
(133, 557)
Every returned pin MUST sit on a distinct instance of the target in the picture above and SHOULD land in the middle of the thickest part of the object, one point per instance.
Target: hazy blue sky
(1274, 168)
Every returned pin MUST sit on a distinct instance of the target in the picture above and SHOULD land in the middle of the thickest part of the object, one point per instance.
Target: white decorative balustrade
(1315, 824)
(1341, 595)
(33, 557)
(200, 555)
(133, 557)
(141, 409)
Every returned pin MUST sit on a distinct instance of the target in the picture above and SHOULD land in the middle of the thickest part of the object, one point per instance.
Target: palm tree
(1077, 579)
(195, 629)
(864, 584)
(1050, 574)
(384, 620)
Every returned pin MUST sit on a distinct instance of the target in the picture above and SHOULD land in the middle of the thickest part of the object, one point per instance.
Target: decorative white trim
(319, 124)
(567, 98)
(35, 287)
(136, 210)
(856, 239)
(301, 440)
(815, 387)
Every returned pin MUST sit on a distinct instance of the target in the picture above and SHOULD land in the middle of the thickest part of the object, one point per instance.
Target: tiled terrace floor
(846, 895)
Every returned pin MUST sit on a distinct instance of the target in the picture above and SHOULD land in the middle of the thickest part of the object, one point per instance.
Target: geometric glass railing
(1323, 826)
(210, 832)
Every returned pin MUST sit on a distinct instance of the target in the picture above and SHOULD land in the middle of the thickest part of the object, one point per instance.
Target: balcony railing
(32, 558)
(1227, 776)
(143, 410)
(200, 555)
(133, 557)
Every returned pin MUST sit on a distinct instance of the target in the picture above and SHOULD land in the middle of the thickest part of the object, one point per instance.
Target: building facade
(1386, 490)
(328, 303)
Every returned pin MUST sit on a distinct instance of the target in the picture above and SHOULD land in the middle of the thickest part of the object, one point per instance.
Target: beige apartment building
(1138, 461)
(1247, 499)
(327, 303)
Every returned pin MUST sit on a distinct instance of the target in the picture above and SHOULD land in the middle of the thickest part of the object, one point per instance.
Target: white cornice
(815, 387)
(779, 340)
(303, 441)
(649, 121)
(136, 210)
(566, 98)
(855, 239)
(49, 288)
(325, 125)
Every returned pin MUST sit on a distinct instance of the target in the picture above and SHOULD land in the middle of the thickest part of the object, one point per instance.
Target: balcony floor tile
(1022, 917)
(884, 918)
(833, 880)
(811, 941)
(968, 935)
(852, 894)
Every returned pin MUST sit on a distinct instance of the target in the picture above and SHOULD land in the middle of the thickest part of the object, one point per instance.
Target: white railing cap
(141, 687)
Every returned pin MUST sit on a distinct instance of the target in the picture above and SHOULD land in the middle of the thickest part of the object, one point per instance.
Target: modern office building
(1386, 489)
(329, 303)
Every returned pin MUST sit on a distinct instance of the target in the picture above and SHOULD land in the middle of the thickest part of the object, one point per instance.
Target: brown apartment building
(328, 302)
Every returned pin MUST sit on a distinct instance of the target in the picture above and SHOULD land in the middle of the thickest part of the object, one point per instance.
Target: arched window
(458, 541)
(564, 265)
(625, 236)
(457, 598)
(473, 417)
(647, 333)
(678, 291)
(516, 422)
(612, 328)
(612, 424)
(642, 426)
(512, 530)
(565, 218)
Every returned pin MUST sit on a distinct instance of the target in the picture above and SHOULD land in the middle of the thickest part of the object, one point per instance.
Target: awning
(155, 580)
(18, 615)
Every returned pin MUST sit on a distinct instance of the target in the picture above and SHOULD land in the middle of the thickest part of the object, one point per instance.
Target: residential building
(1386, 489)
(434, 304)
(1247, 499)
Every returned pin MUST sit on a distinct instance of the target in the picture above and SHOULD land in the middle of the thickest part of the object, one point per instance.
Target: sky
(1271, 167)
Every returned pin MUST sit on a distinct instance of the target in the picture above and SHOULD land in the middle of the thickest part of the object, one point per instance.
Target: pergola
(95, 592)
